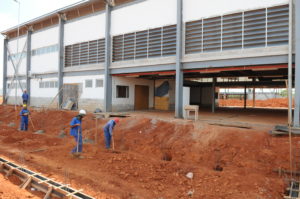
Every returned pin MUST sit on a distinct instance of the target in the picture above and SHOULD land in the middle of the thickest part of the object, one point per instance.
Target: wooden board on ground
(235, 124)
(111, 114)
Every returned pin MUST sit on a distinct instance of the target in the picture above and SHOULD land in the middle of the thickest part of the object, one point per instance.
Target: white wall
(44, 37)
(44, 63)
(144, 15)
(85, 29)
(131, 82)
(12, 45)
(42, 92)
(197, 9)
(87, 93)
(186, 99)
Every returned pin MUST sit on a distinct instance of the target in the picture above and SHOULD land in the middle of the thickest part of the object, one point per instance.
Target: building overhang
(76, 10)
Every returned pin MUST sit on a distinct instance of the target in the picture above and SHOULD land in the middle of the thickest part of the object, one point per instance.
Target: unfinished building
(150, 54)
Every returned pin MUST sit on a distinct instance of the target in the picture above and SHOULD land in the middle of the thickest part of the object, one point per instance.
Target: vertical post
(297, 64)
(61, 31)
(107, 76)
(253, 94)
(179, 72)
(28, 63)
(245, 96)
(213, 95)
(5, 43)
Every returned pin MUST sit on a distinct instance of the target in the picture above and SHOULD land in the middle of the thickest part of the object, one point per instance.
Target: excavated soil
(271, 103)
(153, 157)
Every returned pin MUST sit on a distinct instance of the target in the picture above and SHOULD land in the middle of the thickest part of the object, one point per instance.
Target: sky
(29, 9)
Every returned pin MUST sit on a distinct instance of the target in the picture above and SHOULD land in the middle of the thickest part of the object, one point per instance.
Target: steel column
(5, 43)
(245, 97)
(297, 63)
(213, 95)
(179, 72)
(28, 63)
(60, 58)
(107, 76)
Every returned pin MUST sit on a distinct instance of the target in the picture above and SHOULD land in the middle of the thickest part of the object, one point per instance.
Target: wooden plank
(26, 183)
(48, 194)
(236, 125)
(10, 172)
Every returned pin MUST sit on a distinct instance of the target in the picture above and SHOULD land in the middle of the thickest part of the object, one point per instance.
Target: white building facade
(113, 54)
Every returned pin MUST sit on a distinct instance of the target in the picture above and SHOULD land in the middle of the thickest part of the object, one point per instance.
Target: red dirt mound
(154, 157)
(274, 103)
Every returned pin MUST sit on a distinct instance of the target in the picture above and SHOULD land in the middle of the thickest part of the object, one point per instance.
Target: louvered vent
(278, 25)
(150, 43)
(90, 52)
(254, 28)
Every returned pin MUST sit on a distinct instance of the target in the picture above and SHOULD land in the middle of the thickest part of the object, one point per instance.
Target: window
(44, 50)
(88, 83)
(99, 83)
(41, 85)
(47, 84)
(122, 91)
(52, 85)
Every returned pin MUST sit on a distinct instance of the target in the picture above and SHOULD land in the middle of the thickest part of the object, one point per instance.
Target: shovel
(113, 145)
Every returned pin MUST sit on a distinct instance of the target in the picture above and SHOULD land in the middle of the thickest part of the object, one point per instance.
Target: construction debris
(190, 175)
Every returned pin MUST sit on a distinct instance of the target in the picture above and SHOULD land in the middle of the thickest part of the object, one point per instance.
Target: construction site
(165, 99)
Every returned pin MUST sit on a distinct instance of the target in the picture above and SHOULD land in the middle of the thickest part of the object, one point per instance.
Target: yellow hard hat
(24, 105)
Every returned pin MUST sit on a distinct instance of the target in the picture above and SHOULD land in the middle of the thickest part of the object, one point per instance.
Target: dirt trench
(154, 158)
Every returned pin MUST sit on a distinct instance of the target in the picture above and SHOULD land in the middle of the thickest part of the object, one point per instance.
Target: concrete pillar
(297, 63)
(28, 62)
(5, 43)
(213, 95)
(107, 76)
(179, 72)
(245, 97)
(61, 31)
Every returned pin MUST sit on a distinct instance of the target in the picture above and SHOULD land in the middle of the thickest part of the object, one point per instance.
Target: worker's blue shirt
(24, 117)
(77, 129)
(25, 96)
(109, 126)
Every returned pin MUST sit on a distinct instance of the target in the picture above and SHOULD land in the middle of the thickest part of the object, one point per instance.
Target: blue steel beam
(28, 63)
(297, 64)
(179, 72)
(5, 43)
(61, 58)
(107, 76)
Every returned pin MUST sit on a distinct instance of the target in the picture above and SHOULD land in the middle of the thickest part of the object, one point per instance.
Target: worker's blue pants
(78, 138)
(24, 123)
(107, 138)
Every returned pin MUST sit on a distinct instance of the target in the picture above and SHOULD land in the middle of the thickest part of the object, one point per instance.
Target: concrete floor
(239, 115)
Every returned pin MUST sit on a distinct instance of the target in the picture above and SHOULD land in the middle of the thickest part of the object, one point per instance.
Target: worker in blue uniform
(24, 118)
(76, 132)
(25, 97)
(108, 131)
